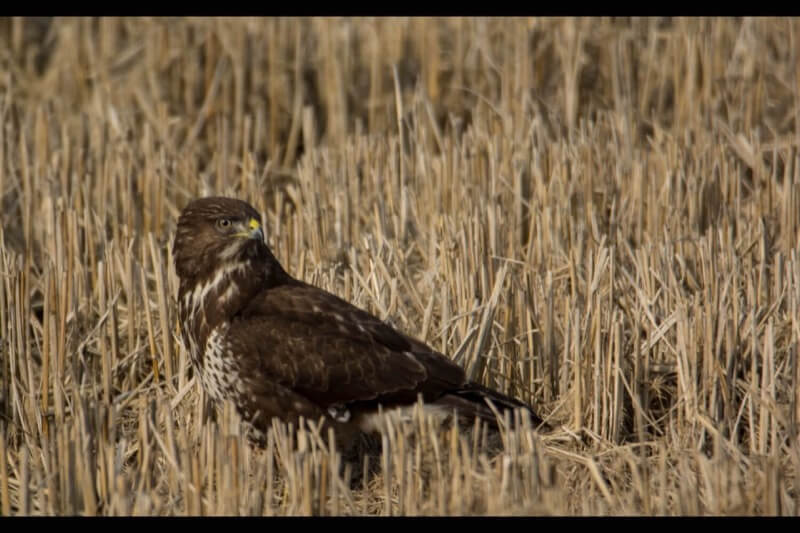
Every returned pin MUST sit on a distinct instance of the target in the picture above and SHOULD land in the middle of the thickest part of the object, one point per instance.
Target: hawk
(279, 347)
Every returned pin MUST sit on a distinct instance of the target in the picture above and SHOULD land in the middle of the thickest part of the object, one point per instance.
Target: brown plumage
(279, 347)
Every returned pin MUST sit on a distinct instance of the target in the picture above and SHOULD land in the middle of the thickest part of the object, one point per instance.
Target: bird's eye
(223, 223)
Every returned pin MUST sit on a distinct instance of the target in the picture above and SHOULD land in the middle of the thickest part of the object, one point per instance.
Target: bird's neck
(214, 299)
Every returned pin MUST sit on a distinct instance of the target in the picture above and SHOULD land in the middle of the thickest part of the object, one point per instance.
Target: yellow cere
(254, 224)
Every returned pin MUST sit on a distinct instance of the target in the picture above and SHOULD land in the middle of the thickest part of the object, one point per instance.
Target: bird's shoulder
(314, 341)
(296, 305)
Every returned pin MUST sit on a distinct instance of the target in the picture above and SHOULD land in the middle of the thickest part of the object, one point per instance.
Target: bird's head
(216, 230)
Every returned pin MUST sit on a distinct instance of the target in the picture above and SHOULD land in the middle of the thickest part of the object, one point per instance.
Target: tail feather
(473, 400)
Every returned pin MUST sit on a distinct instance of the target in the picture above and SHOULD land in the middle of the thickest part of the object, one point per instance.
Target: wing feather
(331, 352)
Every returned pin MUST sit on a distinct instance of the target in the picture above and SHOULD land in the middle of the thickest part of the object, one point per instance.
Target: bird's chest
(204, 328)
(218, 369)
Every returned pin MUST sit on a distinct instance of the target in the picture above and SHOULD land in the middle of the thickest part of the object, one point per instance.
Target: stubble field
(597, 216)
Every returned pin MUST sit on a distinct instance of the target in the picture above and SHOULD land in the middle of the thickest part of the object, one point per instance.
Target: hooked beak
(253, 230)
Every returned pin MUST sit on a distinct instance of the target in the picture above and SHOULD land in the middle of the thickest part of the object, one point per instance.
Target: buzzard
(279, 347)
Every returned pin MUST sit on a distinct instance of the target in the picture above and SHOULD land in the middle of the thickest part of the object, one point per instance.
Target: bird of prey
(279, 347)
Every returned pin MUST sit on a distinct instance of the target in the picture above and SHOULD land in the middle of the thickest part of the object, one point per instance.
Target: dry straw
(596, 216)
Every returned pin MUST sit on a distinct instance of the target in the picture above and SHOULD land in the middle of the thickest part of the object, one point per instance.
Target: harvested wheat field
(598, 217)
